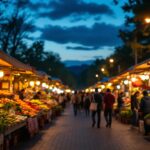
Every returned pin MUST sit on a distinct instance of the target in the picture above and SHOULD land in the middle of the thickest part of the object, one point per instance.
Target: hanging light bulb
(1, 73)
(118, 87)
(31, 83)
(126, 82)
(38, 82)
(133, 79)
(43, 85)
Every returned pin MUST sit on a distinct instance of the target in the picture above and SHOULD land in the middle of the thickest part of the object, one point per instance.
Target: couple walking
(105, 102)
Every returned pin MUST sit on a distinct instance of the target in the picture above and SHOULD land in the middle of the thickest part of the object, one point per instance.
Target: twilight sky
(77, 29)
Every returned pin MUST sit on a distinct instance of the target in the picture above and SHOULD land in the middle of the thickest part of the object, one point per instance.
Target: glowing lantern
(38, 82)
(118, 87)
(133, 79)
(102, 86)
(31, 83)
(43, 85)
(126, 82)
(1, 73)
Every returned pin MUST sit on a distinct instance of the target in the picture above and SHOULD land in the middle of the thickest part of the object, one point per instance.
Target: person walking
(86, 104)
(120, 101)
(145, 109)
(75, 102)
(97, 98)
(109, 100)
(135, 108)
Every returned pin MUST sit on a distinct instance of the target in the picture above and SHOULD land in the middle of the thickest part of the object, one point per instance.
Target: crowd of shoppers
(104, 102)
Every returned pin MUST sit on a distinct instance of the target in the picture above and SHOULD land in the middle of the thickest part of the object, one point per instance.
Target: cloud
(71, 8)
(99, 35)
(81, 48)
(98, 57)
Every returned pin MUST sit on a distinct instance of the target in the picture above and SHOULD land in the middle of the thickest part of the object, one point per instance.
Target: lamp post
(96, 75)
(111, 60)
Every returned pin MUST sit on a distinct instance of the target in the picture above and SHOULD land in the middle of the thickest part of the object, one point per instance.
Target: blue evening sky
(77, 29)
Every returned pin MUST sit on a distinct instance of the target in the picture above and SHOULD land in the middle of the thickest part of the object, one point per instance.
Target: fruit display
(8, 120)
(40, 104)
(50, 102)
(26, 109)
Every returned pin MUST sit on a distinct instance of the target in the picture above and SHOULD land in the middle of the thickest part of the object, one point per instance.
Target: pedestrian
(109, 100)
(97, 98)
(120, 101)
(37, 95)
(21, 94)
(145, 109)
(61, 100)
(87, 104)
(135, 108)
(75, 102)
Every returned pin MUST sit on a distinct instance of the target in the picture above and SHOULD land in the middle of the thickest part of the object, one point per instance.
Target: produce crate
(33, 126)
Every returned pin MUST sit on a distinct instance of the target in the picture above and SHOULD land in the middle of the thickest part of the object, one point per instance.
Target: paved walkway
(76, 133)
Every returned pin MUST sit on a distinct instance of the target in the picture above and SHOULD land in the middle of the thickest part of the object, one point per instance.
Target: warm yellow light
(102, 69)
(133, 79)
(1, 73)
(47, 86)
(43, 84)
(128, 77)
(109, 84)
(96, 75)
(144, 77)
(93, 90)
(111, 60)
(68, 91)
(38, 82)
(147, 77)
(118, 87)
(50, 87)
(31, 83)
(102, 86)
(147, 20)
(126, 82)
(99, 90)
(87, 90)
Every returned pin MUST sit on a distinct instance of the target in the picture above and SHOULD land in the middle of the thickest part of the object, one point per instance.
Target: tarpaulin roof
(8, 61)
(141, 67)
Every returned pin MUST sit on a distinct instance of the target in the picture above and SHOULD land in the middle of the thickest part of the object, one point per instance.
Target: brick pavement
(76, 133)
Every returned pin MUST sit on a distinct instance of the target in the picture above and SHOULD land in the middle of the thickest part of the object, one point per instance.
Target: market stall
(19, 110)
(136, 78)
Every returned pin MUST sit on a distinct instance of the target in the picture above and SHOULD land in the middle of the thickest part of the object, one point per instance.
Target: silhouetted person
(97, 97)
(87, 104)
(135, 108)
(75, 102)
(109, 100)
(145, 109)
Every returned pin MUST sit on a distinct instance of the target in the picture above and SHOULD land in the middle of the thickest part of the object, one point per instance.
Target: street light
(96, 75)
(102, 69)
(111, 60)
(147, 20)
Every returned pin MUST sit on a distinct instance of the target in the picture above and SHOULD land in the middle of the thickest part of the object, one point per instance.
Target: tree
(137, 36)
(14, 29)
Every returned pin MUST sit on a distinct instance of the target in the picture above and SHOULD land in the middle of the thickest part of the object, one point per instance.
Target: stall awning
(8, 61)
(143, 66)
